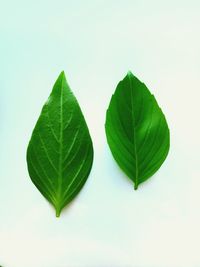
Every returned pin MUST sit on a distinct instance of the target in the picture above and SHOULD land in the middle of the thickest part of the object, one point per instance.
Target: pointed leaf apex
(62, 75)
(129, 73)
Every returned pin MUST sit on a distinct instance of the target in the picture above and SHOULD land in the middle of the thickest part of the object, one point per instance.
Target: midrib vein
(134, 138)
(60, 150)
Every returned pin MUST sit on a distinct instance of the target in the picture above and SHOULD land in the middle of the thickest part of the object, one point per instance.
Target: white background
(96, 43)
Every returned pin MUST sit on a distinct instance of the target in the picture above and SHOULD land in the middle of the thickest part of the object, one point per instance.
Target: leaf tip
(130, 75)
(62, 74)
(129, 72)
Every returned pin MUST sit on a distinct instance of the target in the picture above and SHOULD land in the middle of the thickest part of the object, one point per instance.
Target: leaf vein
(51, 126)
(72, 144)
(46, 152)
(49, 187)
(77, 173)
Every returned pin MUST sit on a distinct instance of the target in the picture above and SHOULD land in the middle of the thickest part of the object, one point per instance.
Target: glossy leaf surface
(136, 130)
(60, 152)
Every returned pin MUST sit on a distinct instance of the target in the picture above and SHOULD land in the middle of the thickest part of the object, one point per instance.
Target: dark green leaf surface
(60, 152)
(136, 130)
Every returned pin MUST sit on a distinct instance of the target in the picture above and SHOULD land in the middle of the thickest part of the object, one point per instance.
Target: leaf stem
(58, 211)
(136, 186)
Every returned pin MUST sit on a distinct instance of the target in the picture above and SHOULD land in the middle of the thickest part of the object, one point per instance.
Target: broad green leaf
(60, 152)
(136, 130)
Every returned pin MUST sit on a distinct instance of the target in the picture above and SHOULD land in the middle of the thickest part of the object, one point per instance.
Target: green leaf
(60, 152)
(136, 130)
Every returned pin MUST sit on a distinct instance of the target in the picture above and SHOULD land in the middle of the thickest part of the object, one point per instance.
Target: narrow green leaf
(60, 152)
(136, 130)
